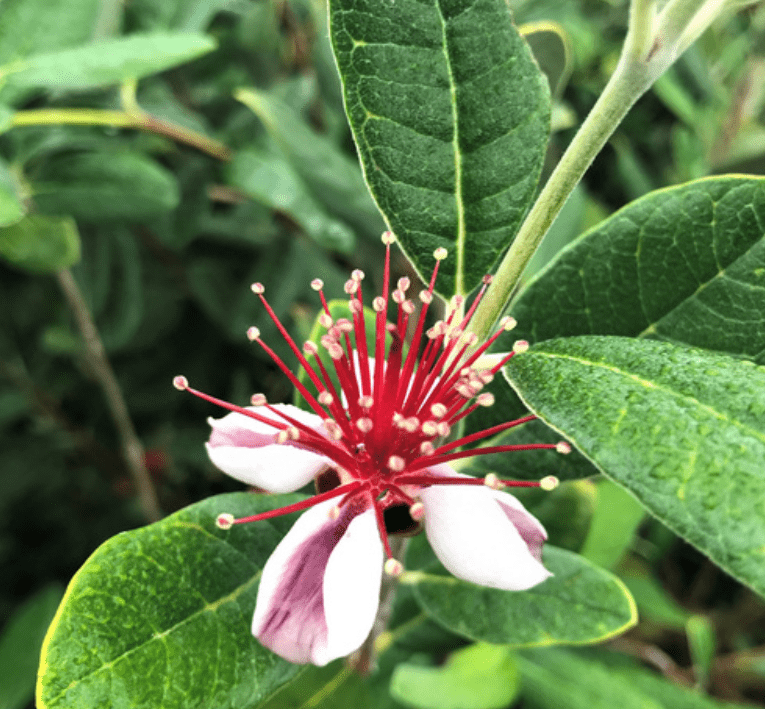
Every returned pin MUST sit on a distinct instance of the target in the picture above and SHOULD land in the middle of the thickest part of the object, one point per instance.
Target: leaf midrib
(459, 270)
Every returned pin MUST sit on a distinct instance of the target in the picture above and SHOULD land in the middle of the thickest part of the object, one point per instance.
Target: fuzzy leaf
(108, 62)
(682, 429)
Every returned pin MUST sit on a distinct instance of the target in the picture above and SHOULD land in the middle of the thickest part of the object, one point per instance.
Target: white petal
(483, 535)
(320, 589)
(244, 449)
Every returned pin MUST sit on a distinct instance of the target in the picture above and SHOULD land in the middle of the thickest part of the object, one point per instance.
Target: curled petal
(244, 449)
(483, 535)
(320, 589)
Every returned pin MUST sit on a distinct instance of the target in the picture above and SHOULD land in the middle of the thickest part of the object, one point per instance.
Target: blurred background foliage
(156, 158)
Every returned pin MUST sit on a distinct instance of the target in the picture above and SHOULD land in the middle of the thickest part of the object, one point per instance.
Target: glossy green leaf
(554, 678)
(41, 244)
(108, 62)
(450, 114)
(684, 264)
(682, 429)
(105, 186)
(271, 180)
(160, 616)
(580, 604)
(20, 644)
(616, 518)
(480, 676)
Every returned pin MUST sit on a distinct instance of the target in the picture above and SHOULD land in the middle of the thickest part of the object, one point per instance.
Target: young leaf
(682, 429)
(684, 264)
(450, 114)
(108, 62)
(480, 676)
(41, 244)
(160, 616)
(579, 604)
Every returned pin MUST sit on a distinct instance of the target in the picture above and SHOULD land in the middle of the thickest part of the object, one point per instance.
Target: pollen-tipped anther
(378, 304)
(310, 348)
(487, 279)
(388, 238)
(396, 463)
(357, 274)
(438, 410)
(393, 567)
(427, 448)
(563, 447)
(317, 284)
(520, 346)
(417, 511)
(426, 297)
(224, 521)
(325, 398)
(508, 323)
(485, 399)
(549, 483)
(364, 424)
(403, 283)
(258, 400)
(258, 288)
(366, 401)
(253, 333)
(493, 482)
(440, 253)
(180, 383)
(325, 320)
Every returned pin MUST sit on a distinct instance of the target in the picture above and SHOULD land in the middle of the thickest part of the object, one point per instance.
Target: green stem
(642, 61)
(121, 119)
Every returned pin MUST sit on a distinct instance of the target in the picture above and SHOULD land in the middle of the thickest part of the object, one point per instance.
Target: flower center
(388, 410)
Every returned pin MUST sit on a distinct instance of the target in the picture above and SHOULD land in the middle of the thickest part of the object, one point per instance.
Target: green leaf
(682, 429)
(30, 26)
(334, 178)
(653, 602)
(105, 186)
(160, 616)
(109, 62)
(579, 604)
(684, 264)
(617, 516)
(480, 676)
(450, 114)
(554, 678)
(12, 209)
(271, 180)
(20, 647)
(41, 244)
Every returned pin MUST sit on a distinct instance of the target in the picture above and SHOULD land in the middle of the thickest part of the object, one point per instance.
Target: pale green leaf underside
(579, 604)
(684, 264)
(450, 114)
(682, 429)
(160, 616)
(108, 62)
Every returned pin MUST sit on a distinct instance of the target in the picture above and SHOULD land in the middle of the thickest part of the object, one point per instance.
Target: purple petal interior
(295, 621)
(528, 528)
